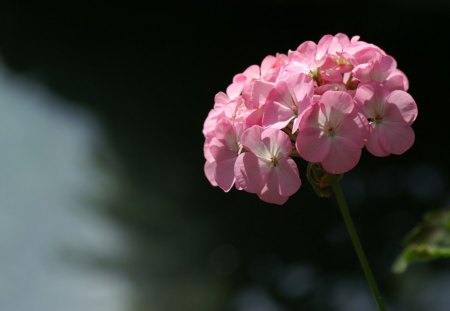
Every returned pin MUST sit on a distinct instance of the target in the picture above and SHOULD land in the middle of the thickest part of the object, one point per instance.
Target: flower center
(315, 74)
(330, 130)
(274, 161)
(294, 106)
(377, 120)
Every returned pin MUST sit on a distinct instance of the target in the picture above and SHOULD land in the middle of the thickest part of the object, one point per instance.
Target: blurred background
(103, 200)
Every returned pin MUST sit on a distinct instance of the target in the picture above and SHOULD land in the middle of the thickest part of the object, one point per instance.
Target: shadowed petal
(344, 155)
(401, 107)
(373, 143)
(251, 140)
(248, 173)
(224, 174)
(337, 104)
(313, 145)
(277, 142)
(288, 177)
(210, 168)
(281, 182)
(280, 107)
(396, 138)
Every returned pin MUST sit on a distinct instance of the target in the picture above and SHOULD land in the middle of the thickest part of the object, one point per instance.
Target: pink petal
(303, 91)
(279, 110)
(373, 143)
(224, 158)
(322, 46)
(343, 39)
(277, 116)
(277, 142)
(255, 117)
(270, 197)
(363, 52)
(255, 93)
(364, 93)
(220, 150)
(252, 72)
(235, 89)
(343, 156)
(251, 140)
(288, 177)
(395, 137)
(336, 104)
(305, 54)
(281, 182)
(224, 174)
(382, 68)
(354, 39)
(267, 63)
(402, 107)
(313, 145)
(247, 171)
(293, 68)
(240, 78)
(223, 128)
(307, 50)
(362, 72)
(397, 80)
(210, 169)
(337, 43)
(220, 100)
(210, 122)
(354, 129)
(371, 100)
(206, 151)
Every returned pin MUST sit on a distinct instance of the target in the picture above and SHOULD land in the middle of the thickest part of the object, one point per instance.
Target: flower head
(323, 103)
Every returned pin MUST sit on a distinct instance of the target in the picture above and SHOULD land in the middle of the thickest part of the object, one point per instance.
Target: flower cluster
(322, 102)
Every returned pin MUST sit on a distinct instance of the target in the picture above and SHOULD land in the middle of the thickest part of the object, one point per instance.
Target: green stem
(335, 185)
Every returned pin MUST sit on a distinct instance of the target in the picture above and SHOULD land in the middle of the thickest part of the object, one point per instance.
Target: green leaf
(428, 240)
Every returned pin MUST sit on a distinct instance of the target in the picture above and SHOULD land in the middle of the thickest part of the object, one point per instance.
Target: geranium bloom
(266, 167)
(329, 98)
(287, 101)
(222, 152)
(223, 103)
(332, 133)
(390, 115)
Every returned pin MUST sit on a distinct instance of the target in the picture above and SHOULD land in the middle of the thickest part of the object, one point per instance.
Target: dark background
(150, 75)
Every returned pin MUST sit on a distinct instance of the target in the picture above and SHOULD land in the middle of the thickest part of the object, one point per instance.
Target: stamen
(274, 161)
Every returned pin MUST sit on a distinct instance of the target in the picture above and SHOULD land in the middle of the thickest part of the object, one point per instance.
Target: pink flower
(332, 133)
(390, 115)
(287, 101)
(221, 152)
(224, 103)
(260, 80)
(397, 80)
(266, 167)
(376, 70)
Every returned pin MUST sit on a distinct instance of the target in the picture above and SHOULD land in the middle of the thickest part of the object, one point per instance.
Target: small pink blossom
(221, 153)
(260, 80)
(287, 101)
(332, 133)
(376, 70)
(390, 115)
(266, 167)
(224, 103)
